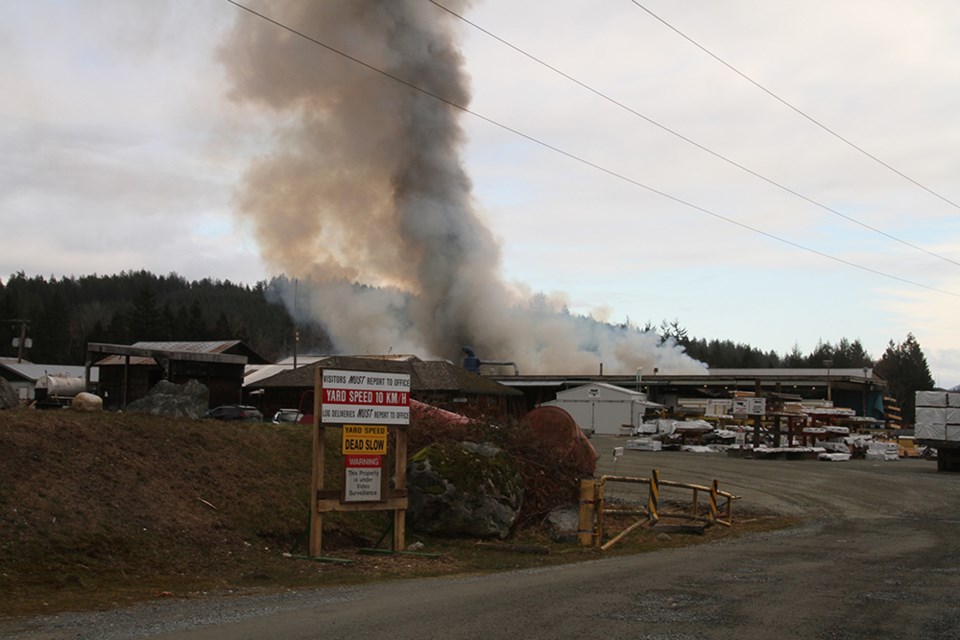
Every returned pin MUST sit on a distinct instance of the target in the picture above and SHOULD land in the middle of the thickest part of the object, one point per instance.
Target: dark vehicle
(234, 412)
(287, 416)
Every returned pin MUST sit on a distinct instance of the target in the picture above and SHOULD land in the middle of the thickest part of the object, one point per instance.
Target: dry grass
(104, 510)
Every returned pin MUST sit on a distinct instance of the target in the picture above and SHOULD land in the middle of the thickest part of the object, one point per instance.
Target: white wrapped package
(931, 415)
(931, 431)
(931, 399)
(935, 399)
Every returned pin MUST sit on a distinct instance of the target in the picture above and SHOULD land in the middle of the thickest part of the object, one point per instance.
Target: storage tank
(58, 386)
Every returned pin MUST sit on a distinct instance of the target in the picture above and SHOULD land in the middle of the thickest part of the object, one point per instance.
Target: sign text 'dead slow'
(364, 439)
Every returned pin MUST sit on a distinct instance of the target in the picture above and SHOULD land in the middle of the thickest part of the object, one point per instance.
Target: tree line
(64, 314)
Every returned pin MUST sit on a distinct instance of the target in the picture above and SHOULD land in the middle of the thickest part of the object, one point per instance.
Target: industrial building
(127, 373)
(859, 390)
(437, 383)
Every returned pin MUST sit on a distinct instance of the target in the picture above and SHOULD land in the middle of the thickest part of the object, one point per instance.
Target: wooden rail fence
(594, 507)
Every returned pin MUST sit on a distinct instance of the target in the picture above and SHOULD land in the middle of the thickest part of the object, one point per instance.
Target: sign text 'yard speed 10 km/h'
(364, 439)
(365, 397)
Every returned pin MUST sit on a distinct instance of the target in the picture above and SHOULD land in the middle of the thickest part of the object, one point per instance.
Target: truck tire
(948, 460)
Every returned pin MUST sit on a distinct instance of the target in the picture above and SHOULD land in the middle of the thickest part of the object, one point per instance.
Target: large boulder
(84, 401)
(8, 395)
(563, 523)
(463, 489)
(166, 398)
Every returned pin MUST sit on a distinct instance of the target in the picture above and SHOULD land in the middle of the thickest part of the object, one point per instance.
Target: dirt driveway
(841, 490)
(877, 557)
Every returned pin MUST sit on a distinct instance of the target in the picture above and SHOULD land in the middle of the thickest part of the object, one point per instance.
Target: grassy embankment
(102, 510)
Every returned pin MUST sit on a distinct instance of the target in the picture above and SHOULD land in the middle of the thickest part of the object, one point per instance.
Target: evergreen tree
(906, 371)
(168, 323)
(821, 355)
(794, 359)
(221, 330)
(196, 327)
(143, 321)
(9, 329)
(51, 339)
(116, 332)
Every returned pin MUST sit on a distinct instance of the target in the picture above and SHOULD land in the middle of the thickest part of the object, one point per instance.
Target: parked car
(286, 416)
(234, 412)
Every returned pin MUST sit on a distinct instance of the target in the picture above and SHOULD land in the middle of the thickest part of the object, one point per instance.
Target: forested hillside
(63, 314)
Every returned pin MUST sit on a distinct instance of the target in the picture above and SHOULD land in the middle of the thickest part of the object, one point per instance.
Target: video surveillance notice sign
(363, 478)
(365, 397)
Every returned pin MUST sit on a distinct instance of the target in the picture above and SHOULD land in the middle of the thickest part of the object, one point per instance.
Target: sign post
(367, 406)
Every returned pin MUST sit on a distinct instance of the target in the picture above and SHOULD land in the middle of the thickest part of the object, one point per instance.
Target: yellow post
(599, 495)
(713, 502)
(653, 498)
(585, 530)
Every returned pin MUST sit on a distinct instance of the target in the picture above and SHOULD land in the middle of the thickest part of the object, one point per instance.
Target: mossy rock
(463, 489)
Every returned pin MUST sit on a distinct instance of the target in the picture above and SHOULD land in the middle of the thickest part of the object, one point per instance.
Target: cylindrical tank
(61, 386)
(556, 430)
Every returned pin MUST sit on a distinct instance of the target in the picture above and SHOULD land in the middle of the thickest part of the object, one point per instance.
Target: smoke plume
(366, 201)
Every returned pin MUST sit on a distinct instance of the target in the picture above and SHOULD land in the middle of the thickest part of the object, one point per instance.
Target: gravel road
(878, 556)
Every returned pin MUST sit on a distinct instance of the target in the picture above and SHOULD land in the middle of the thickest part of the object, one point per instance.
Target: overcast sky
(119, 150)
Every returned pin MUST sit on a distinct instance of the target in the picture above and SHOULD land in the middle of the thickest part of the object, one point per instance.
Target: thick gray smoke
(365, 198)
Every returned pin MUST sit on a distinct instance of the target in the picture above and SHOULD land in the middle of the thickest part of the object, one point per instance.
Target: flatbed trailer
(937, 425)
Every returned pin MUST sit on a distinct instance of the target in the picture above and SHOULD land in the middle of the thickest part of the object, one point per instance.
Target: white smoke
(366, 201)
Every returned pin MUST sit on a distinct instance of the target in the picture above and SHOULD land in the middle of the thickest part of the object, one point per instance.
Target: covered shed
(127, 373)
(603, 408)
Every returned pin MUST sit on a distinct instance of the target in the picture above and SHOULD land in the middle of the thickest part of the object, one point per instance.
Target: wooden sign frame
(330, 500)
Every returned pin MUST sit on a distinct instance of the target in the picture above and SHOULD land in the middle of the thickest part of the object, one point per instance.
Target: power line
(581, 160)
(795, 109)
(690, 141)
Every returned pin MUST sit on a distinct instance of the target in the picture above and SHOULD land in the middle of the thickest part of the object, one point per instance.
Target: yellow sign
(365, 439)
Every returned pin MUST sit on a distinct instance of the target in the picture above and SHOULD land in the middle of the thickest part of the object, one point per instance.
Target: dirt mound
(106, 508)
(88, 498)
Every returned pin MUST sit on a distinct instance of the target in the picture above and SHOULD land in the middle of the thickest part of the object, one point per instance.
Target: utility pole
(21, 342)
(828, 364)
(296, 329)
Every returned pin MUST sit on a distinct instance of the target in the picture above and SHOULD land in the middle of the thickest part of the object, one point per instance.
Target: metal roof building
(860, 389)
(438, 383)
(128, 372)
